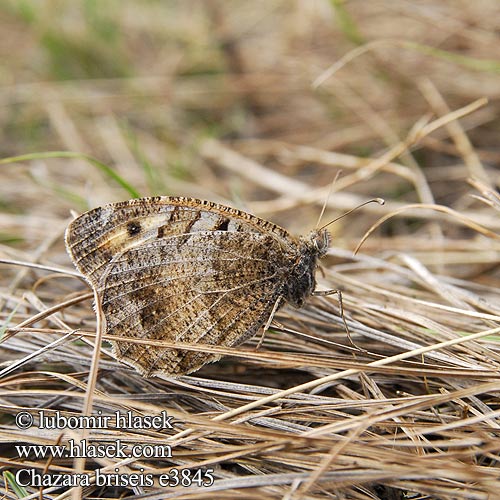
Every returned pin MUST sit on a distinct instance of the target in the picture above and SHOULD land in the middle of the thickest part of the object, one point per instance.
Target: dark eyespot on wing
(133, 228)
(222, 224)
(161, 231)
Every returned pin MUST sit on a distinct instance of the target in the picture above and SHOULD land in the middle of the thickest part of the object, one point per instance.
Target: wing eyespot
(133, 228)
(222, 225)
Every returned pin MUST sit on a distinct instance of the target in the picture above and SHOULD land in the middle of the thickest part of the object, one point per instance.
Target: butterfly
(187, 270)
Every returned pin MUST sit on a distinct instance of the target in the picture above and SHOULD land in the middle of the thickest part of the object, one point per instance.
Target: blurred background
(145, 88)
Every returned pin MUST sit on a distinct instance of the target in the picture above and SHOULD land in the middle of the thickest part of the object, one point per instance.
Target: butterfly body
(187, 270)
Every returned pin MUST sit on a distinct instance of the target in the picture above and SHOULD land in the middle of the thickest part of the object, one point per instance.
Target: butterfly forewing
(179, 269)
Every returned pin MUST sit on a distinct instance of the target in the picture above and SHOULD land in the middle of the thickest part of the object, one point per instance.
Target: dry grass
(259, 105)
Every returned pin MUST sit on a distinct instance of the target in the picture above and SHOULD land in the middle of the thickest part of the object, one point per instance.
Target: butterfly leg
(323, 293)
(269, 321)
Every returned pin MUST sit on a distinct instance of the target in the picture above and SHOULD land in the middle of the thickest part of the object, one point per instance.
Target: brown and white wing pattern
(180, 269)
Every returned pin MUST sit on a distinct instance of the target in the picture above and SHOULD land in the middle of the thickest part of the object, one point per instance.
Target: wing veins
(160, 357)
(145, 332)
(165, 282)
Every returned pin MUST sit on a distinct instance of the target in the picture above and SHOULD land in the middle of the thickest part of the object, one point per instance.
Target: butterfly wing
(178, 269)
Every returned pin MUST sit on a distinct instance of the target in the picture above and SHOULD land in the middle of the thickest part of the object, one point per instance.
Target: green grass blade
(105, 169)
(487, 65)
(346, 23)
(10, 479)
(3, 328)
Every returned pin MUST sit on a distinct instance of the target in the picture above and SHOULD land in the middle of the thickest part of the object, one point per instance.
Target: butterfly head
(319, 242)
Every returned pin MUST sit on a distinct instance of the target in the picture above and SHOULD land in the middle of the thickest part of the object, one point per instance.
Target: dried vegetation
(259, 105)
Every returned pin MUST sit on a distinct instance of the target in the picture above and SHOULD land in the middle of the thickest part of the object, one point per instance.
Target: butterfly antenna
(380, 201)
(325, 203)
